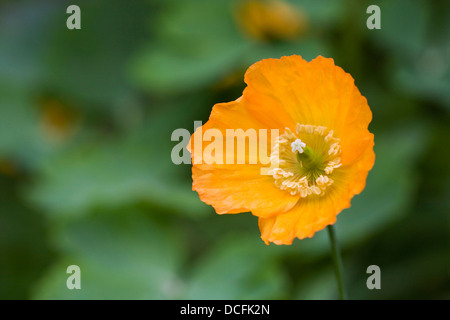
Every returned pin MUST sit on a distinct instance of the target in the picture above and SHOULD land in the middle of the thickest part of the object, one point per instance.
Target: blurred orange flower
(320, 160)
(271, 19)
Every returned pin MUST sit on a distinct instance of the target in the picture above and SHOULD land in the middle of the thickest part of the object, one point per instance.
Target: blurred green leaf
(238, 268)
(197, 44)
(130, 168)
(320, 14)
(23, 41)
(88, 65)
(404, 26)
(20, 132)
(163, 70)
(430, 81)
(319, 284)
(121, 256)
(24, 245)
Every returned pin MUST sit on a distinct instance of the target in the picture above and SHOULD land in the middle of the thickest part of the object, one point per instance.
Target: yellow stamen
(305, 160)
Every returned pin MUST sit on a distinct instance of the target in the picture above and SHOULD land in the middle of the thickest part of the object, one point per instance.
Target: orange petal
(240, 188)
(320, 93)
(308, 216)
(233, 188)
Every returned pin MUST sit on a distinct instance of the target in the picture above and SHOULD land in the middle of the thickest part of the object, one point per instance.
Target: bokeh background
(86, 176)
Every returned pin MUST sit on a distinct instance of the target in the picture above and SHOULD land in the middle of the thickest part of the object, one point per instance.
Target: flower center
(304, 161)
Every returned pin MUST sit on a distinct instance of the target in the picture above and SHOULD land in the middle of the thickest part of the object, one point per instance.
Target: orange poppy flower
(320, 159)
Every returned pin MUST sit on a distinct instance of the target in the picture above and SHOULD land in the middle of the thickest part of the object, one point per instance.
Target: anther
(298, 145)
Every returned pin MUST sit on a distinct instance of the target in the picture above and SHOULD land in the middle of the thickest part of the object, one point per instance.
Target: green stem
(337, 261)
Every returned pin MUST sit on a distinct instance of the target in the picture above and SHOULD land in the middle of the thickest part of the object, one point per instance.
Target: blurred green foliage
(86, 177)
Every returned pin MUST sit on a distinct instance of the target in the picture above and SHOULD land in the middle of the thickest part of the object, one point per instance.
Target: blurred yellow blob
(8, 167)
(271, 20)
(58, 121)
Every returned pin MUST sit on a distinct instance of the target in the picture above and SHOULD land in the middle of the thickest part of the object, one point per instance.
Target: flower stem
(337, 261)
